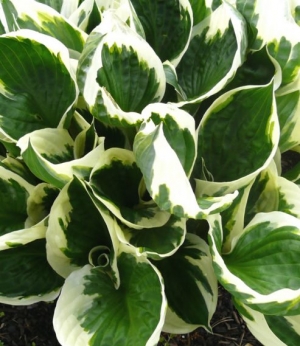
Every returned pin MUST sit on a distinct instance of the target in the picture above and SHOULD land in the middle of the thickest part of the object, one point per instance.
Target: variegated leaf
(288, 106)
(156, 242)
(166, 158)
(233, 218)
(194, 277)
(68, 7)
(200, 9)
(40, 90)
(119, 73)
(19, 167)
(263, 195)
(229, 135)
(92, 311)
(40, 202)
(14, 193)
(33, 15)
(86, 16)
(271, 330)
(124, 10)
(117, 182)
(277, 28)
(259, 271)
(289, 197)
(78, 227)
(49, 155)
(295, 9)
(26, 276)
(218, 47)
(24, 210)
(167, 25)
(56, 4)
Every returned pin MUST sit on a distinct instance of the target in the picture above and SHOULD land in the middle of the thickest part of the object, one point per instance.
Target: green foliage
(140, 165)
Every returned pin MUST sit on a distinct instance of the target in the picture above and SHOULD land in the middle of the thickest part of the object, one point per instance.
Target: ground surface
(32, 326)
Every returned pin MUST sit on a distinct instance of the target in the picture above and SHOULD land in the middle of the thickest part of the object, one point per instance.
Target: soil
(32, 326)
(228, 329)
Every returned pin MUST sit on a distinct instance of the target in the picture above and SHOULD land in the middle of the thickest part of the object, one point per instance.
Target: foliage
(141, 147)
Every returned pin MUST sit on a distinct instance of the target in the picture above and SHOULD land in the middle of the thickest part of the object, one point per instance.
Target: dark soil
(228, 329)
(27, 325)
(32, 326)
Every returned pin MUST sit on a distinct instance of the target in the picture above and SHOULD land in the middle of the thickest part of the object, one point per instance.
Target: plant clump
(140, 165)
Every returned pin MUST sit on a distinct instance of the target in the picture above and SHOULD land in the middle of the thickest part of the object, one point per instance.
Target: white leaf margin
(113, 31)
(62, 172)
(222, 15)
(65, 322)
(234, 283)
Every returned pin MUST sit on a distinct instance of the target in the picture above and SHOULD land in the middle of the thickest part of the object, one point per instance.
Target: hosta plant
(141, 145)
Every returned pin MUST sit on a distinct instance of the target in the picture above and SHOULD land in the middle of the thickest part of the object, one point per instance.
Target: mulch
(32, 326)
(228, 329)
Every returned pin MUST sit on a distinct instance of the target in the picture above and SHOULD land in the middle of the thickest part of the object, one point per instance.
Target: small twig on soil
(223, 320)
(242, 338)
(226, 337)
(236, 317)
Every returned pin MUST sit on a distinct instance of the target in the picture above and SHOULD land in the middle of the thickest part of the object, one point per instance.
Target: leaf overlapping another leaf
(119, 73)
(140, 163)
(134, 313)
(28, 103)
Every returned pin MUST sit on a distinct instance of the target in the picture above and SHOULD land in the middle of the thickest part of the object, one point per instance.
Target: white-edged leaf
(40, 90)
(295, 9)
(264, 196)
(30, 14)
(276, 27)
(24, 210)
(49, 155)
(155, 242)
(79, 16)
(288, 106)
(86, 141)
(124, 10)
(233, 218)
(194, 277)
(201, 9)
(40, 202)
(91, 311)
(117, 182)
(119, 73)
(172, 79)
(166, 160)
(259, 271)
(14, 194)
(18, 166)
(23, 215)
(218, 47)
(167, 26)
(240, 131)
(23, 236)
(271, 330)
(76, 227)
(68, 7)
(26, 276)
(56, 4)
(289, 197)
